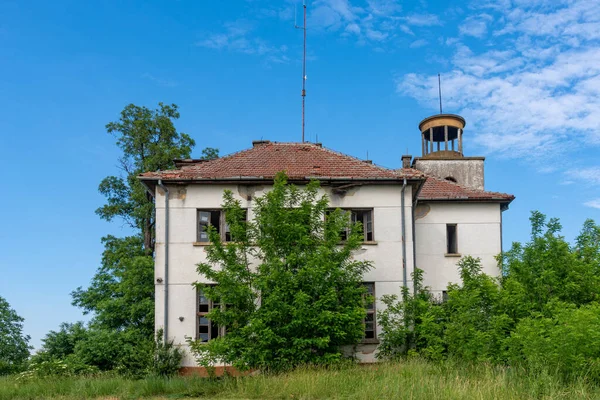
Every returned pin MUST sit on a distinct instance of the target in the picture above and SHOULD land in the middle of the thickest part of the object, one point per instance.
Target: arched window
(451, 179)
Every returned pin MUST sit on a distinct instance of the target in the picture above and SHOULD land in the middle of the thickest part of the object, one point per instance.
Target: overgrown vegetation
(14, 345)
(120, 336)
(412, 379)
(287, 259)
(541, 315)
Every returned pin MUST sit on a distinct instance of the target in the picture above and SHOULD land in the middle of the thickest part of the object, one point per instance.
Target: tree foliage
(542, 314)
(121, 294)
(14, 347)
(149, 142)
(292, 292)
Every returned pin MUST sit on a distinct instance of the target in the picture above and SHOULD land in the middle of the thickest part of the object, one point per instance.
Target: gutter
(404, 277)
(166, 274)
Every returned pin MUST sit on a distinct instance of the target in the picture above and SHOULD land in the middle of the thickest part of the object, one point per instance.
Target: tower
(442, 152)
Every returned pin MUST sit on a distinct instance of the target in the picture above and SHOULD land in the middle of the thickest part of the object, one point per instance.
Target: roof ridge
(372, 165)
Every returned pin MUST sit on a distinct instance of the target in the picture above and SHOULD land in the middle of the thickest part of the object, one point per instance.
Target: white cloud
(370, 21)
(476, 26)
(593, 203)
(237, 37)
(418, 43)
(536, 95)
(422, 19)
(589, 175)
(159, 81)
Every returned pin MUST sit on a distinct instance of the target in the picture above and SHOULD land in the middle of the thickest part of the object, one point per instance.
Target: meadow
(412, 379)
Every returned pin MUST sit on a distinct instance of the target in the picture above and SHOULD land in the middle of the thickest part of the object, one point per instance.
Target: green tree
(288, 259)
(61, 344)
(121, 294)
(14, 347)
(149, 142)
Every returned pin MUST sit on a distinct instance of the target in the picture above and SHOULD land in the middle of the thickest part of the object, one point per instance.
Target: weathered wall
(478, 235)
(467, 171)
(386, 252)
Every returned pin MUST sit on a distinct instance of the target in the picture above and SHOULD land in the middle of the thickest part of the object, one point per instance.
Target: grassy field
(406, 380)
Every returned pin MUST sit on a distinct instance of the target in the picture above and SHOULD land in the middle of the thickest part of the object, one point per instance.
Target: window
(444, 295)
(451, 242)
(370, 333)
(214, 218)
(207, 329)
(364, 216)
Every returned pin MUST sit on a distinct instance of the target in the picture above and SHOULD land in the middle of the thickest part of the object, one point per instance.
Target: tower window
(451, 242)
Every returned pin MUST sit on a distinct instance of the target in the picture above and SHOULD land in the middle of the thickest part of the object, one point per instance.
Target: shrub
(305, 280)
(567, 343)
(166, 360)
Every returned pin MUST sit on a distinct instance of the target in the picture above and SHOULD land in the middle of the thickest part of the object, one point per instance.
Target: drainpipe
(404, 280)
(166, 275)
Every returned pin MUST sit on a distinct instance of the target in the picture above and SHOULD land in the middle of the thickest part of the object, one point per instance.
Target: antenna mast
(303, 27)
(440, 91)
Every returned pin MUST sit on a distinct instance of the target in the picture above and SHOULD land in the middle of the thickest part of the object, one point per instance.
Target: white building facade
(426, 214)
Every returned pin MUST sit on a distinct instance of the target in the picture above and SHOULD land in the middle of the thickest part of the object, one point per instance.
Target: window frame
(222, 228)
(202, 314)
(452, 248)
(372, 311)
(369, 211)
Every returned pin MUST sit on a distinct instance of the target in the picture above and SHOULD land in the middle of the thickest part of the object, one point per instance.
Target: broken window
(451, 241)
(444, 295)
(214, 218)
(207, 329)
(369, 321)
(365, 217)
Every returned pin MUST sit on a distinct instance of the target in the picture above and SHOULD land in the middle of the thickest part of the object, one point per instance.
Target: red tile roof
(266, 159)
(440, 189)
(303, 161)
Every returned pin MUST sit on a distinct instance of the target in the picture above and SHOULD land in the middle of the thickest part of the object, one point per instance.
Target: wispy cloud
(537, 94)
(422, 19)
(238, 37)
(593, 203)
(371, 21)
(589, 175)
(418, 43)
(159, 81)
(475, 25)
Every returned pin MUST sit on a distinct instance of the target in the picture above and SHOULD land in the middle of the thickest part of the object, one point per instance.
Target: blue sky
(524, 73)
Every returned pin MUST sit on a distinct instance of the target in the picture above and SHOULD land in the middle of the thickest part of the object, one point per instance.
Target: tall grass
(403, 380)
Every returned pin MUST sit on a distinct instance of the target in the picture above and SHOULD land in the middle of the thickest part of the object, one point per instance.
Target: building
(427, 214)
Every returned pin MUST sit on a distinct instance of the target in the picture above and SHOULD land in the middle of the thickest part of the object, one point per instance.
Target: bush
(306, 282)
(541, 314)
(167, 357)
(567, 343)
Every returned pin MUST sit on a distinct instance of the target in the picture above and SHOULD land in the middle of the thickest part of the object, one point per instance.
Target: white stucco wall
(386, 253)
(478, 235)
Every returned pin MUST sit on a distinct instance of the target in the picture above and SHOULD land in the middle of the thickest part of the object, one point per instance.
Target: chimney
(369, 161)
(256, 143)
(406, 161)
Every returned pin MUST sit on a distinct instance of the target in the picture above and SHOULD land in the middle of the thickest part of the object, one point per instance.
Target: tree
(121, 294)
(149, 142)
(14, 347)
(210, 153)
(60, 344)
(305, 280)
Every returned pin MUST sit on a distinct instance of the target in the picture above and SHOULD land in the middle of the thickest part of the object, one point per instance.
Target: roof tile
(440, 189)
(298, 160)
